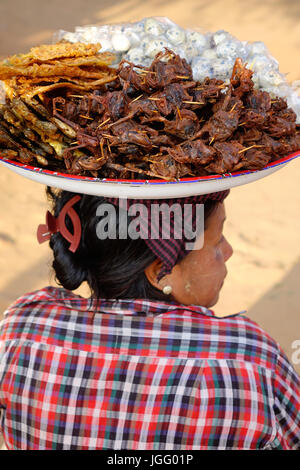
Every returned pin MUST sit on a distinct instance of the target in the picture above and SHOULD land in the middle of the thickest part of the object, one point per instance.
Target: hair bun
(69, 273)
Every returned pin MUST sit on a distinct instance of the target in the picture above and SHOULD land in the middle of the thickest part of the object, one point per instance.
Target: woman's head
(128, 268)
(198, 278)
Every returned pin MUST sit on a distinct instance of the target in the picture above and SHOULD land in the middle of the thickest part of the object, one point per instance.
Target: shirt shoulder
(231, 337)
(24, 317)
(58, 317)
(46, 294)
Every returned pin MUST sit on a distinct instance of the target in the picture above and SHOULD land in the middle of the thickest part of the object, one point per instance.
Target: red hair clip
(53, 225)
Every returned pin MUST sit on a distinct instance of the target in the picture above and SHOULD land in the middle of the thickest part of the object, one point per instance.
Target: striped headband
(163, 236)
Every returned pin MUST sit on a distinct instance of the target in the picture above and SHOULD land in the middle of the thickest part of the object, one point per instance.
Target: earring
(167, 290)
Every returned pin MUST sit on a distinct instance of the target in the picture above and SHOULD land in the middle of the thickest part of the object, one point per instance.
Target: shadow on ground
(281, 306)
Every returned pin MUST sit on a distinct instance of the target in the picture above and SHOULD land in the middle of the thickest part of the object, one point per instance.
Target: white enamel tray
(150, 189)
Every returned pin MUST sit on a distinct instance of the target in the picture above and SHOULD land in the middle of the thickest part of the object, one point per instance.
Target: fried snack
(61, 83)
(139, 121)
(87, 69)
(158, 121)
(101, 59)
(48, 70)
(46, 53)
(30, 132)
(77, 66)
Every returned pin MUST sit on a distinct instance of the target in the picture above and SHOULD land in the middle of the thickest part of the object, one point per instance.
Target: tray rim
(39, 170)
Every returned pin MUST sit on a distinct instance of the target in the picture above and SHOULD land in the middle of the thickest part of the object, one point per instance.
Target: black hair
(112, 268)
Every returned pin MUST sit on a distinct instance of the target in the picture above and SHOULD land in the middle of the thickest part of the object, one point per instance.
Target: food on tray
(75, 66)
(210, 54)
(136, 121)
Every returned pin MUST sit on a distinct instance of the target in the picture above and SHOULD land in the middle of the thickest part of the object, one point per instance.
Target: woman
(143, 363)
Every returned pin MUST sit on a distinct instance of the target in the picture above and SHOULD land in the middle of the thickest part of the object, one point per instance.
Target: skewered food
(140, 122)
(210, 54)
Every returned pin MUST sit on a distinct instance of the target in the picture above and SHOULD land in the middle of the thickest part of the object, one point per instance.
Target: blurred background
(263, 218)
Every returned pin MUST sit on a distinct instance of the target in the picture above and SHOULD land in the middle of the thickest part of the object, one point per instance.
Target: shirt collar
(138, 307)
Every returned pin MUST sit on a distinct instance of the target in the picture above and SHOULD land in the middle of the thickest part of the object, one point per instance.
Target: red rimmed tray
(153, 189)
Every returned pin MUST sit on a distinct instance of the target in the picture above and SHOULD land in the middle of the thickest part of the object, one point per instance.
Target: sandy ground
(263, 217)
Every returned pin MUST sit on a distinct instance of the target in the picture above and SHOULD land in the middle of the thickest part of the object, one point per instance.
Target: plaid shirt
(120, 374)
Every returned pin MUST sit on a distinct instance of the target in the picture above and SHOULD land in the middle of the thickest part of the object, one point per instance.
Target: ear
(152, 272)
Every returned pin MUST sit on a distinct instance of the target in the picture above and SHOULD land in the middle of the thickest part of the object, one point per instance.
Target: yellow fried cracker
(29, 87)
(84, 85)
(47, 52)
(47, 70)
(101, 59)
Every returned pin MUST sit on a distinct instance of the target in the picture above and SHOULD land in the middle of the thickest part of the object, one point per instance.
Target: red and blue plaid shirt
(79, 373)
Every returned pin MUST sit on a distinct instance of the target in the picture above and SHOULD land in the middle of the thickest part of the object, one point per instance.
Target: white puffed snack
(135, 55)
(120, 42)
(175, 35)
(154, 27)
(197, 40)
(202, 68)
(156, 45)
